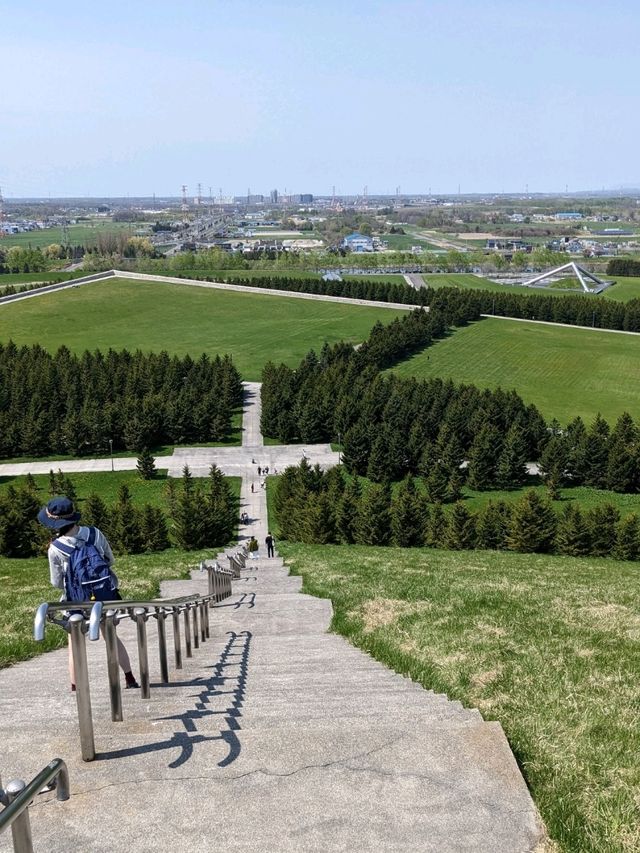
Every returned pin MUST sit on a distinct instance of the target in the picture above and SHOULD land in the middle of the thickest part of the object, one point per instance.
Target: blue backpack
(89, 576)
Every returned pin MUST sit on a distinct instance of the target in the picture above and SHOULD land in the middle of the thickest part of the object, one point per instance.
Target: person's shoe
(130, 680)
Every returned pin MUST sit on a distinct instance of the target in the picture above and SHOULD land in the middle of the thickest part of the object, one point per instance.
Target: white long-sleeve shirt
(59, 562)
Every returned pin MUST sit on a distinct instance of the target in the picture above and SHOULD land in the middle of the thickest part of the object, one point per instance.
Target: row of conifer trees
(198, 515)
(448, 433)
(321, 508)
(69, 404)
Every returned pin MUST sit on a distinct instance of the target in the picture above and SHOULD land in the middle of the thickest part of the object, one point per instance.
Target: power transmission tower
(185, 205)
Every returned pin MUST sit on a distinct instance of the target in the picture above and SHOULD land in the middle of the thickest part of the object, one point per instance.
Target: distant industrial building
(305, 198)
(273, 196)
(568, 215)
(358, 243)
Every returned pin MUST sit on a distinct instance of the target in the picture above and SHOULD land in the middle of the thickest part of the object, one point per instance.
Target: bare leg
(123, 656)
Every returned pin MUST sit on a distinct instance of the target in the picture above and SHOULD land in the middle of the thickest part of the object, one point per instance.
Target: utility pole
(185, 205)
(1, 214)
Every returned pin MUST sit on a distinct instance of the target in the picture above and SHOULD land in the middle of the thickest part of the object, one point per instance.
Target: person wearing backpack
(81, 564)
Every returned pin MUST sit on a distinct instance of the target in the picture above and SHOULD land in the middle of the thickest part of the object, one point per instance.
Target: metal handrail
(18, 796)
(106, 615)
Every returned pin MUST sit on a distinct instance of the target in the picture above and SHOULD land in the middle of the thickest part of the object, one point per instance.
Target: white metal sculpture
(572, 267)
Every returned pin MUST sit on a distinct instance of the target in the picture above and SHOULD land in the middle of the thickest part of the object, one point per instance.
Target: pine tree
(572, 535)
(155, 536)
(622, 472)
(373, 527)
(378, 468)
(601, 522)
(437, 483)
(171, 495)
(627, 545)
(69, 489)
(554, 462)
(318, 523)
(460, 533)
(146, 464)
(532, 525)
(454, 486)
(406, 522)
(512, 465)
(596, 453)
(435, 527)
(347, 511)
(482, 458)
(492, 525)
(126, 528)
(53, 482)
(96, 514)
(357, 446)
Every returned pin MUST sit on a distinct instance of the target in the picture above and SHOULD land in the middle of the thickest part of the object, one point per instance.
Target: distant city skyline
(136, 99)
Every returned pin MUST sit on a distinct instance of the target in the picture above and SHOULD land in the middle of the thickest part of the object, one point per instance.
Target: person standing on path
(269, 543)
(253, 548)
(60, 517)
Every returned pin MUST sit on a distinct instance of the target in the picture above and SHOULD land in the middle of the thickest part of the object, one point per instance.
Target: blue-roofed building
(358, 243)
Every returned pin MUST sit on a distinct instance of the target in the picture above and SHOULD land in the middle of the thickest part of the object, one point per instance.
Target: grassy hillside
(187, 319)
(546, 645)
(564, 371)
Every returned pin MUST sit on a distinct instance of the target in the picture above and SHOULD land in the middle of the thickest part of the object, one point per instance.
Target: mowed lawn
(623, 290)
(154, 316)
(565, 372)
(548, 646)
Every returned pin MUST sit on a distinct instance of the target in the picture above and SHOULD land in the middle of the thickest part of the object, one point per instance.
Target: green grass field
(184, 319)
(78, 234)
(623, 290)
(564, 371)
(26, 277)
(548, 646)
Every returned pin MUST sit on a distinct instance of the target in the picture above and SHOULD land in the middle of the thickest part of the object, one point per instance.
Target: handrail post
(196, 639)
(143, 658)
(177, 648)
(83, 695)
(203, 630)
(207, 629)
(162, 645)
(187, 631)
(113, 669)
(21, 826)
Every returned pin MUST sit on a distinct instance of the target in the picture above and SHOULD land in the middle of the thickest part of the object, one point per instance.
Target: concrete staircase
(276, 735)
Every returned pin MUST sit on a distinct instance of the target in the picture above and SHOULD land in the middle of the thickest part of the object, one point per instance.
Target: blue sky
(139, 97)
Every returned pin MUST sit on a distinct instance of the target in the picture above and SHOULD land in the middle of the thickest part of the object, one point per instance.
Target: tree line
(573, 310)
(328, 507)
(70, 404)
(449, 433)
(623, 267)
(198, 515)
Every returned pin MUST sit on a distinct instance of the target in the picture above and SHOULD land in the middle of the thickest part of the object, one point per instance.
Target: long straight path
(275, 736)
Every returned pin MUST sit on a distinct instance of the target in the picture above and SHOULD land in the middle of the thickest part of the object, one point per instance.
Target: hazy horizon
(137, 99)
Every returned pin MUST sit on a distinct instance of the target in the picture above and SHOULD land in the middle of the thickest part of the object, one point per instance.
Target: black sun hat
(59, 512)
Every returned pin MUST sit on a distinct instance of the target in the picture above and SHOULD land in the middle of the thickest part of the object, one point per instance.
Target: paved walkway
(276, 736)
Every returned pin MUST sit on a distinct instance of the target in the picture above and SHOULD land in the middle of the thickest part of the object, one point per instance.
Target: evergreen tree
(572, 535)
(373, 527)
(596, 453)
(378, 468)
(171, 495)
(185, 512)
(406, 522)
(146, 464)
(627, 545)
(68, 488)
(454, 486)
(460, 533)
(435, 527)
(347, 511)
(554, 462)
(126, 528)
(96, 514)
(155, 535)
(622, 473)
(492, 525)
(53, 483)
(318, 523)
(532, 525)
(357, 445)
(601, 522)
(512, 465)
(437, 483)
(482, 458)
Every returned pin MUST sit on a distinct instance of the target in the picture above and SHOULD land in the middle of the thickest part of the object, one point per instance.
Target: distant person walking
(253, 548)
(259, 471)
(81, 564)
(269, 543)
